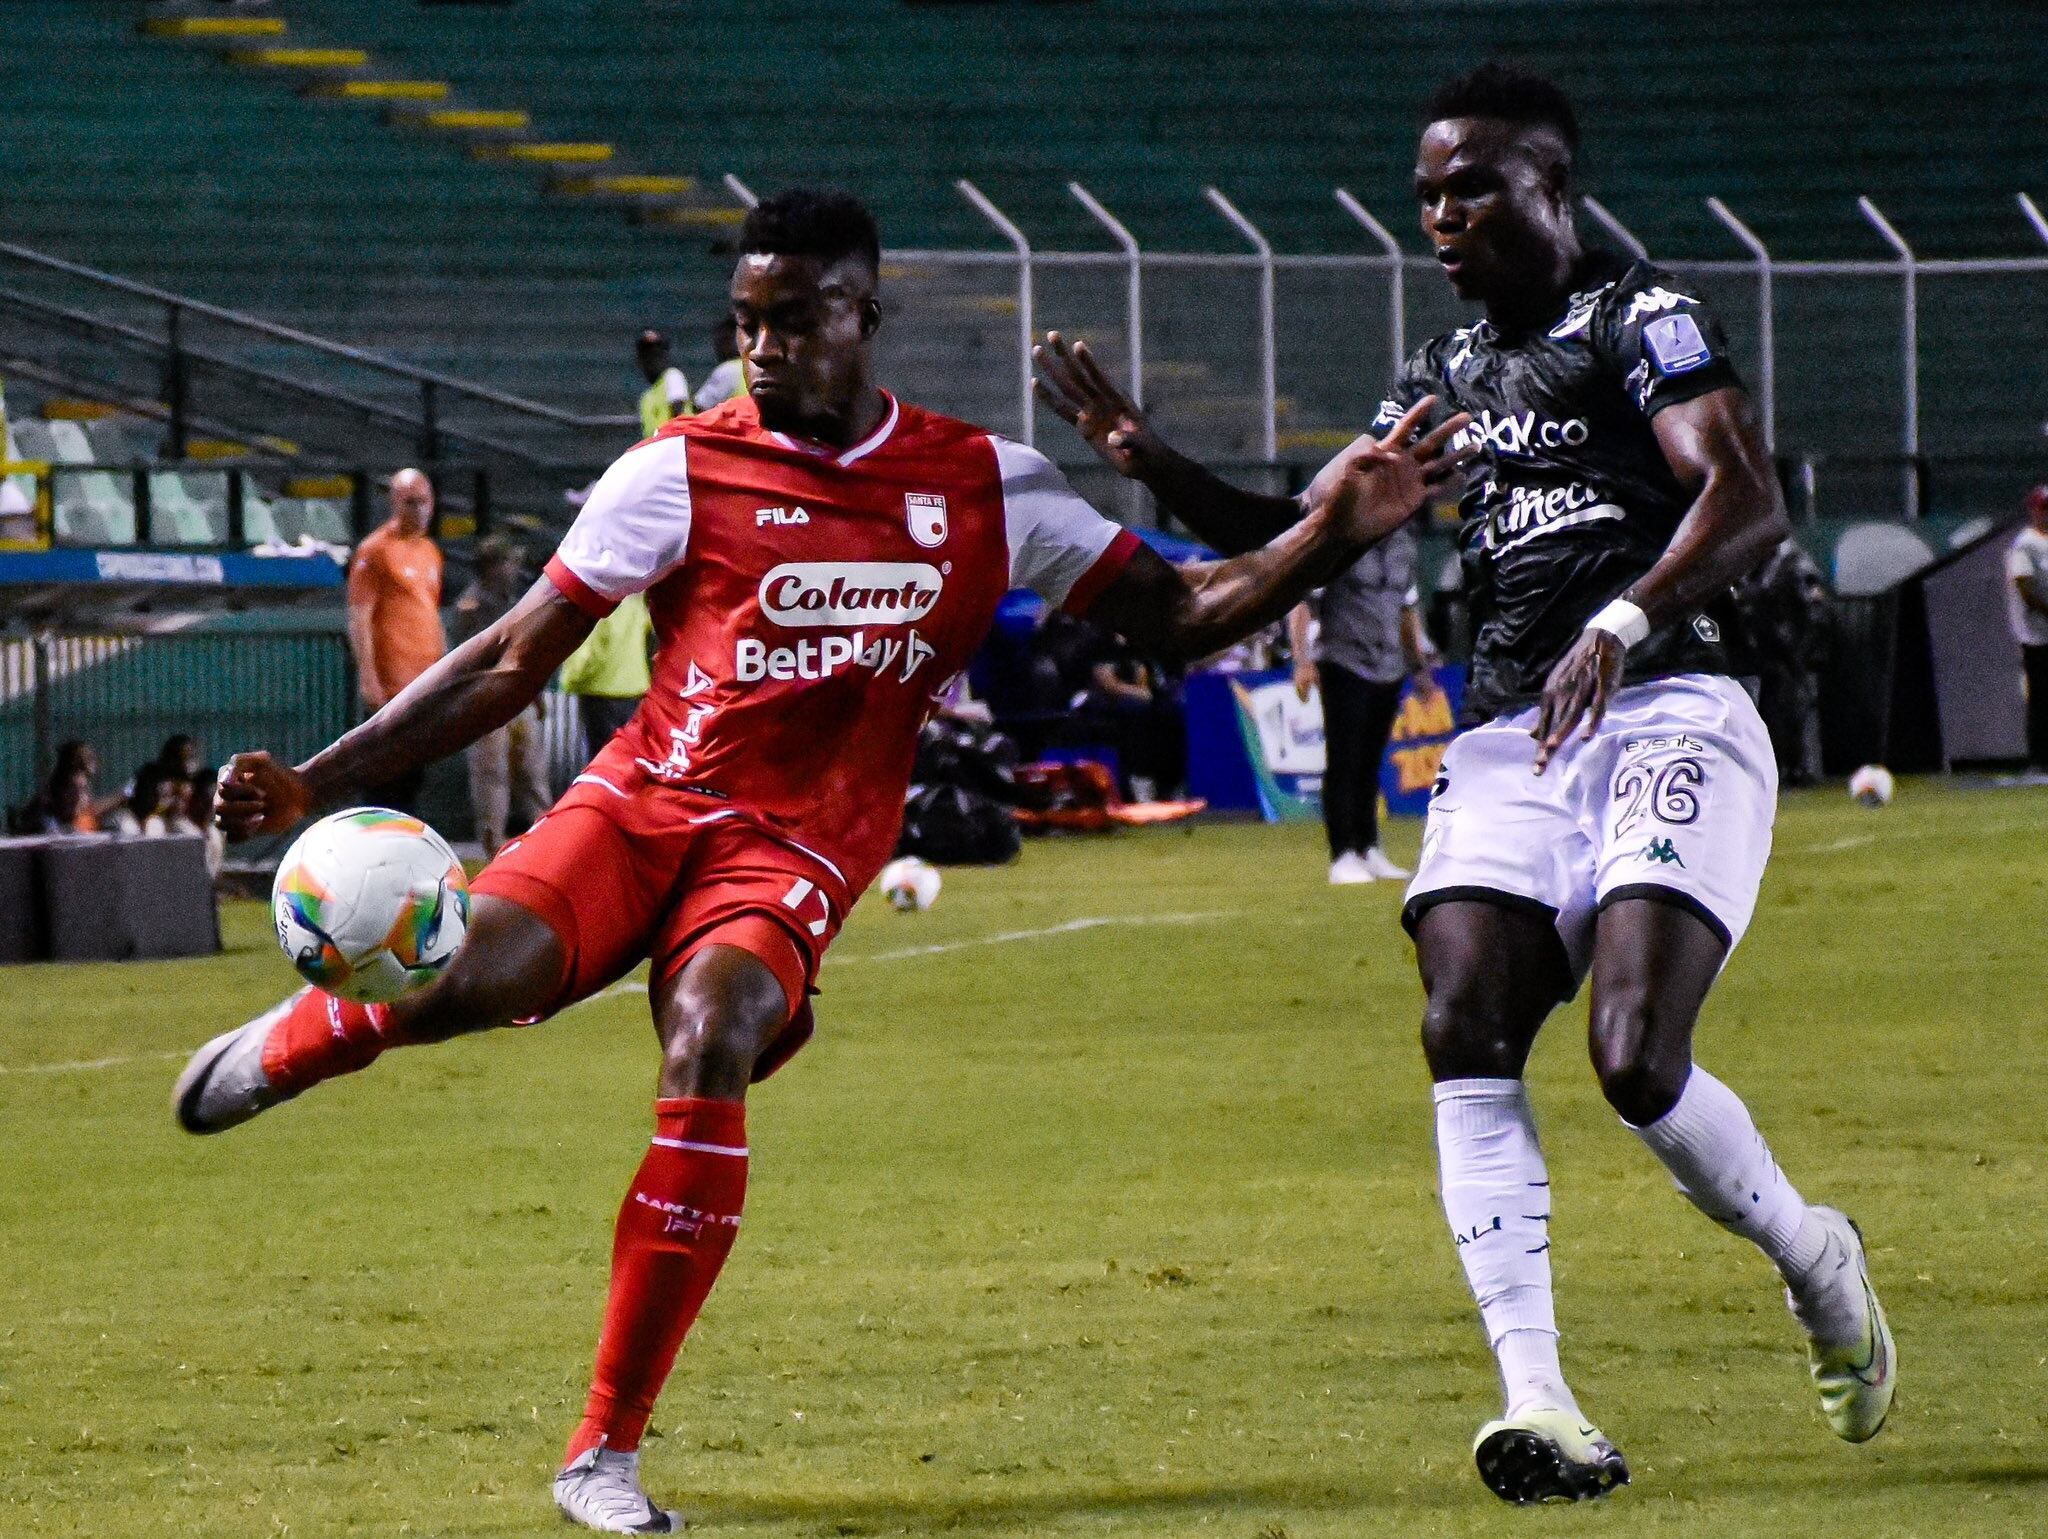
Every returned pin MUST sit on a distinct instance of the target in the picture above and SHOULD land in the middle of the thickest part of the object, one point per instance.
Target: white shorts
(1671, 799)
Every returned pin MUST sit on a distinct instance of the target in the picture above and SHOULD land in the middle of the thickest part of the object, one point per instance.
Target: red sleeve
(1109, 566)
(577, 591)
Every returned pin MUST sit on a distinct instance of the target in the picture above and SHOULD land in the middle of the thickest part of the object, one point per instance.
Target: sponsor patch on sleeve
(1675, 344)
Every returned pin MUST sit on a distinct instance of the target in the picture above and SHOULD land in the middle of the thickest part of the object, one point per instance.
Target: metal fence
(291, 692)
(1889, 387)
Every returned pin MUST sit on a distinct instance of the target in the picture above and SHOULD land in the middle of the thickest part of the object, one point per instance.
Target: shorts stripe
(598, 780)
(1413, 910)
(1657, 892)
(738, 1151)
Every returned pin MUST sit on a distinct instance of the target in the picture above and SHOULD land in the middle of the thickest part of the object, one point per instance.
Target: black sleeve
(1662, 341)
(1415, 380)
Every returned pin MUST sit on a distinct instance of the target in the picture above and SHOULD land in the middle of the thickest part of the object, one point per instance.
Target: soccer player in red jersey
(819, 559)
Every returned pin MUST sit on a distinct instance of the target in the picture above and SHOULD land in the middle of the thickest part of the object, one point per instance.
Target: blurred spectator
(149, 798)
(2026, 569)
(508, 775)
(1132, 702)
(1787, 619)
(394, 615)
(62, 806)
(729, 377)
(65, 803)
(608, 673)
(180, 756)
(667, 394)
(199, 811)
(1370, 639)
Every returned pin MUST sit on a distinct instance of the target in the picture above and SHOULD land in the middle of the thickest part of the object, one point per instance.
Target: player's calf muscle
(509, 970)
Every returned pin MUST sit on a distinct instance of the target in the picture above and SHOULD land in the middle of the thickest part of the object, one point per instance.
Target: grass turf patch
(1104, 1203)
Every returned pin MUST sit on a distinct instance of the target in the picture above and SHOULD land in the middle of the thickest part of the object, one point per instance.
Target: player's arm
(1737, 518)
(1189, 613)
(1228, 517)
(475, 689)
(362, 640)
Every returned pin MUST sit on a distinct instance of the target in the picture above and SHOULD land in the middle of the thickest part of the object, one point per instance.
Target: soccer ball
(1871, 786)
(370, 904)
(911, 885)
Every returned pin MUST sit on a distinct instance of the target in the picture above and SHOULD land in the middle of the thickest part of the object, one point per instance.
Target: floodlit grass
(1125, 1229)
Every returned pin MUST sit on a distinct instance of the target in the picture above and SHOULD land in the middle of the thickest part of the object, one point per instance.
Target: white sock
(1496, 1194)
(1721, 1162)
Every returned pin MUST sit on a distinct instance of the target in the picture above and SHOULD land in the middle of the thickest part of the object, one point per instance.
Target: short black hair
(1510, 94)
(820, 222)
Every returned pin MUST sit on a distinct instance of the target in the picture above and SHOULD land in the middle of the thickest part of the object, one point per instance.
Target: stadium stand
(474, 189)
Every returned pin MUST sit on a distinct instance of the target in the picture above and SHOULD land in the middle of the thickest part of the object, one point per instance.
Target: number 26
(1669, 793)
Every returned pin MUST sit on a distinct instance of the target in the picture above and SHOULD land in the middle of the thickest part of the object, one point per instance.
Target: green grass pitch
(1104, 1204)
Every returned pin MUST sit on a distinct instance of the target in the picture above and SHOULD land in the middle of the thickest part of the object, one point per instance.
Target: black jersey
(1572, 499)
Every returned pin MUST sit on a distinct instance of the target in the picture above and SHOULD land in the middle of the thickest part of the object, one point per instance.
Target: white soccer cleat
(224, 1084)
(1349, 869)
(1384, 869)
(1858, 1376)
(1543, 1454)
(601, 1489)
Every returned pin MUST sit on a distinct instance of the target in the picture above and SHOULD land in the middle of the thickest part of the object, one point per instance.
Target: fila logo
(780, 517)
(925, 512)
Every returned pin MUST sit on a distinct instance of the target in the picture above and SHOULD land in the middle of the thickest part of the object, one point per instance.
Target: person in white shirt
(729, 377)
(2026, 572)
(141, 816)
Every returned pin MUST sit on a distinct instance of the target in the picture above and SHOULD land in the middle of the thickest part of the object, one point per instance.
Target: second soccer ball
(910, 885)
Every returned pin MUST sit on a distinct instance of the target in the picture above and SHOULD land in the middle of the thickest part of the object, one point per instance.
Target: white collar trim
(861, 450)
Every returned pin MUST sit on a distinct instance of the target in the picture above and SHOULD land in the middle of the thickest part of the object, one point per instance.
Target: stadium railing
(1255, 355)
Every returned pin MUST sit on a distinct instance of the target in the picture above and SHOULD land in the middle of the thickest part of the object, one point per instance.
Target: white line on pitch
(1065, 927)
(89, 1063)
(1003, 938)
(1847, 842)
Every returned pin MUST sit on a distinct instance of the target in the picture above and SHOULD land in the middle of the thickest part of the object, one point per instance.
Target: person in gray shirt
(1370, 640)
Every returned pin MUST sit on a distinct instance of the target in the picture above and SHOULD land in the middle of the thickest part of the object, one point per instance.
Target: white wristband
(1624, 621)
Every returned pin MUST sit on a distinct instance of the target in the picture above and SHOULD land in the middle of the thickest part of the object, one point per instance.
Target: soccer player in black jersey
(1609, 807)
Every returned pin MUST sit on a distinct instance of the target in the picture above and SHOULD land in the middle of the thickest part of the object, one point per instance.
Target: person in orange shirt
(394, 610)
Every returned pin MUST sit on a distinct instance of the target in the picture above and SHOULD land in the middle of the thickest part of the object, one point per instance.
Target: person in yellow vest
(608, 674)
(668, 393)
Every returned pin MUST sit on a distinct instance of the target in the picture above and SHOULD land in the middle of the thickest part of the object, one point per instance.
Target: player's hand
(1376, 485)
(1072, 383)
(1305, 679)
(258, 795)
(1579, 688)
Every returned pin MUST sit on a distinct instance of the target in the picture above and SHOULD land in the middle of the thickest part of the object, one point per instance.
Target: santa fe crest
(926, 514)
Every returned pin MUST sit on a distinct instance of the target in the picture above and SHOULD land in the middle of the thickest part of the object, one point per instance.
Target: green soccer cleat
(1547, 1455)
(1856, 1378)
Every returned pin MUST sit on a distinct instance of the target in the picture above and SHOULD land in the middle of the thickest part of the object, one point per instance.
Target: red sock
(323, 1036)
(678, 1222)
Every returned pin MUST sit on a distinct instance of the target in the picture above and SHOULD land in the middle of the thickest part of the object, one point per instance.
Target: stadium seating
(344, 214)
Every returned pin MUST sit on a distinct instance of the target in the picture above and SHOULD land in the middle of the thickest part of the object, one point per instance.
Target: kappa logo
(1661, 852)
(780, 518)
(812, 593)
(1652, 301)
(925, 513)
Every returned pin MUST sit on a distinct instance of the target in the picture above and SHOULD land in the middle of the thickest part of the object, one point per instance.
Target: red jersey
(810, 603)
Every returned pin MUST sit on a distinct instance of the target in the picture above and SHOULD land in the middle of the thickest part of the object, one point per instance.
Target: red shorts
(620, 883)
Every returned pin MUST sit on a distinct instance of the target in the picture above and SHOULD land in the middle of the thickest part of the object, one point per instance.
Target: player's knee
(1641, 1062)
(1469, 1031)
(711, 1040)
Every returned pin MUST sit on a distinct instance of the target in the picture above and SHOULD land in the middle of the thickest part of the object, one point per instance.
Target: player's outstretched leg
(676, 1226)
(508, 969)
(1492, 974)
(1654, 963)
